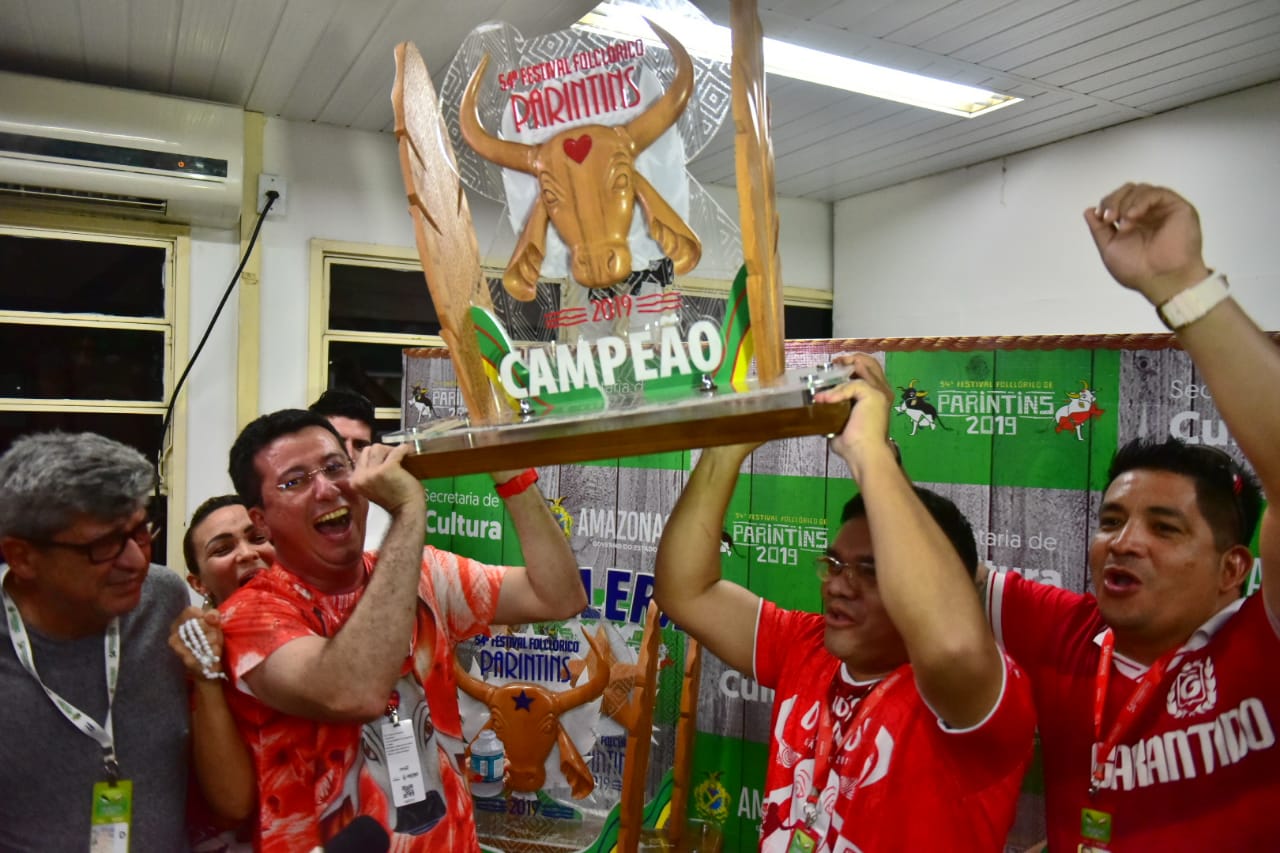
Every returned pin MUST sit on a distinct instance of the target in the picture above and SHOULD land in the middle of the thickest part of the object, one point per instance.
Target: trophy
(583, 136)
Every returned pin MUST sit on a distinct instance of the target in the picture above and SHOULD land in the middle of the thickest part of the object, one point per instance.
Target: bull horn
(911, 384)
(593, 686)
(511, 155)
(1085, 384)
(472, 686)
(645, 128)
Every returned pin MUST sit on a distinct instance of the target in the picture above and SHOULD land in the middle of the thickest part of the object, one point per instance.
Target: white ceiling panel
(1079, 65)
(15, 34)
(301, 27)
(1073, 43)
(252, 28)
(958, 25)
(54, 32)
(1220, 81)
(346, 38)
(153, 32)
(202, 31)
(104, 33)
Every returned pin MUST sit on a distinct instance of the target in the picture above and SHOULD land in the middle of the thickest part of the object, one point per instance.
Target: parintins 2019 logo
(999, 407)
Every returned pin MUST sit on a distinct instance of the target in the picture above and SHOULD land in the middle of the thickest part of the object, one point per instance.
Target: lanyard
(82, 721)
(1137, 703)
(825, 740)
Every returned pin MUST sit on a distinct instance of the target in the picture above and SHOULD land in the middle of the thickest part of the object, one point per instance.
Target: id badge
(110, 816)
(803, 840)
(403, 765)
(1095, 827)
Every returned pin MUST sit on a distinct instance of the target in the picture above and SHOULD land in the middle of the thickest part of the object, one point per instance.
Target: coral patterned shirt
(314, 777)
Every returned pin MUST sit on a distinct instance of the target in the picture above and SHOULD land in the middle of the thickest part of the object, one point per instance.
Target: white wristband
(1189, 305)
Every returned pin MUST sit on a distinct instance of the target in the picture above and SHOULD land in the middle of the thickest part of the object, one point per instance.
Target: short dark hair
(202, 512)
(258, 434)
(944, 512)
(345, 404)
(1226, 493)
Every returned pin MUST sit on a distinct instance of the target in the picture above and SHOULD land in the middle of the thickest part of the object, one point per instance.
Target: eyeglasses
(335, 471)
(106, 548)
(829, 567)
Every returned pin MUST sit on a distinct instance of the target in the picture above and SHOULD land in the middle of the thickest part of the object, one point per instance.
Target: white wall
(1002, 248)
(209, 391)
(804, 237)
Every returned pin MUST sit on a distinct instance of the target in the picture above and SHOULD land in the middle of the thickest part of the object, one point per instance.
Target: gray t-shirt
(48, 767)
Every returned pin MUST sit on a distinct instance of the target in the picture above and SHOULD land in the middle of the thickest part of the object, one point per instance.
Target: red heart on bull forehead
(579, 148)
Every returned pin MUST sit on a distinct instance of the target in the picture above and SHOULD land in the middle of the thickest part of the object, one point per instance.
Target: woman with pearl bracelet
(223, 550)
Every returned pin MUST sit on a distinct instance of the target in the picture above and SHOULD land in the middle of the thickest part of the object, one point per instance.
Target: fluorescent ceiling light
(622, 19)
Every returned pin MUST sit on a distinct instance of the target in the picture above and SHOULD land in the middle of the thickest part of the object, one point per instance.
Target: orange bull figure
(588, 186)
(526, 718)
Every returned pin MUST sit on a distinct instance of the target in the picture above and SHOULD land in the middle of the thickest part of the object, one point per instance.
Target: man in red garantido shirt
(897, 722)
(1158, 696)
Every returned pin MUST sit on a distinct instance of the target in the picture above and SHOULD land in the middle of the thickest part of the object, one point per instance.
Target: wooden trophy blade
(686, 731)
(757, 210)
(442, 227)
(635, 765)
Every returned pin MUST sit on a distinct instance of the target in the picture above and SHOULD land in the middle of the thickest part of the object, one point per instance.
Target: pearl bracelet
(193, 637)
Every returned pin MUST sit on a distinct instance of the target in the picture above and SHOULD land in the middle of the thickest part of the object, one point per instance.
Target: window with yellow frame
(91, 315)
(367, 304)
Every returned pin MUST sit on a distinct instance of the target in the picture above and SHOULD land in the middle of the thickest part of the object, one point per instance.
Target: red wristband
(516, 484)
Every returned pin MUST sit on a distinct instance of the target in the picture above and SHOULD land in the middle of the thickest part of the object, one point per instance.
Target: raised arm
(221, 760)
(1149, 238)
(350, 675)
(926, 589)
(688, 585)
(547, 586)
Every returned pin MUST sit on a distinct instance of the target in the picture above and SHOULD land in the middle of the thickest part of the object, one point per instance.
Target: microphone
(362, 835)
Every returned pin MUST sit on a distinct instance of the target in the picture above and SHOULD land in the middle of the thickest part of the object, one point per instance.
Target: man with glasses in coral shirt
(340, 659)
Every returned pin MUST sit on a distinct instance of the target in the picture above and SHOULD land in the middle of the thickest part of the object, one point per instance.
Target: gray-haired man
(95, 725)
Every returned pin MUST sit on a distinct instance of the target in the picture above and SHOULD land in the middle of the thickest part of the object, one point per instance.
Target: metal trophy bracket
(713, 416)
(509, 424)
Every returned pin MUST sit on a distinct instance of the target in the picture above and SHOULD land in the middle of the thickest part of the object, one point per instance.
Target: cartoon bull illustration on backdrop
(913, 405)
(526, 718)
(420, 403)
(1080, 407)
(588, 185)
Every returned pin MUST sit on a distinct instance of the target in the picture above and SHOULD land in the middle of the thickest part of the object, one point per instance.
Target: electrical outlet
(272, 182)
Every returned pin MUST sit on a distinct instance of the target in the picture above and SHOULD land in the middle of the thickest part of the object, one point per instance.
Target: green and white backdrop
(1000, 439)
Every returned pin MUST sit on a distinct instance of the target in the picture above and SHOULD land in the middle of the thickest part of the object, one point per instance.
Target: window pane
(806, 323)
(78, 276)
(525, 321)
(372, 370)
(81, 363)
(374, 299)
(139, 431)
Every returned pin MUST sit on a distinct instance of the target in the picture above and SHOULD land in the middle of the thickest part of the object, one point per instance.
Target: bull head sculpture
(526, 717)
(588, 186)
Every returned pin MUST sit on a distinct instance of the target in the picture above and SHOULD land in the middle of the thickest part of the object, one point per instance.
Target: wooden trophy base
(784, 409)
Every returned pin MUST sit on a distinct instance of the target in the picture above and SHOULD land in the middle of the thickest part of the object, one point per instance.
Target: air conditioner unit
(141, 154)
